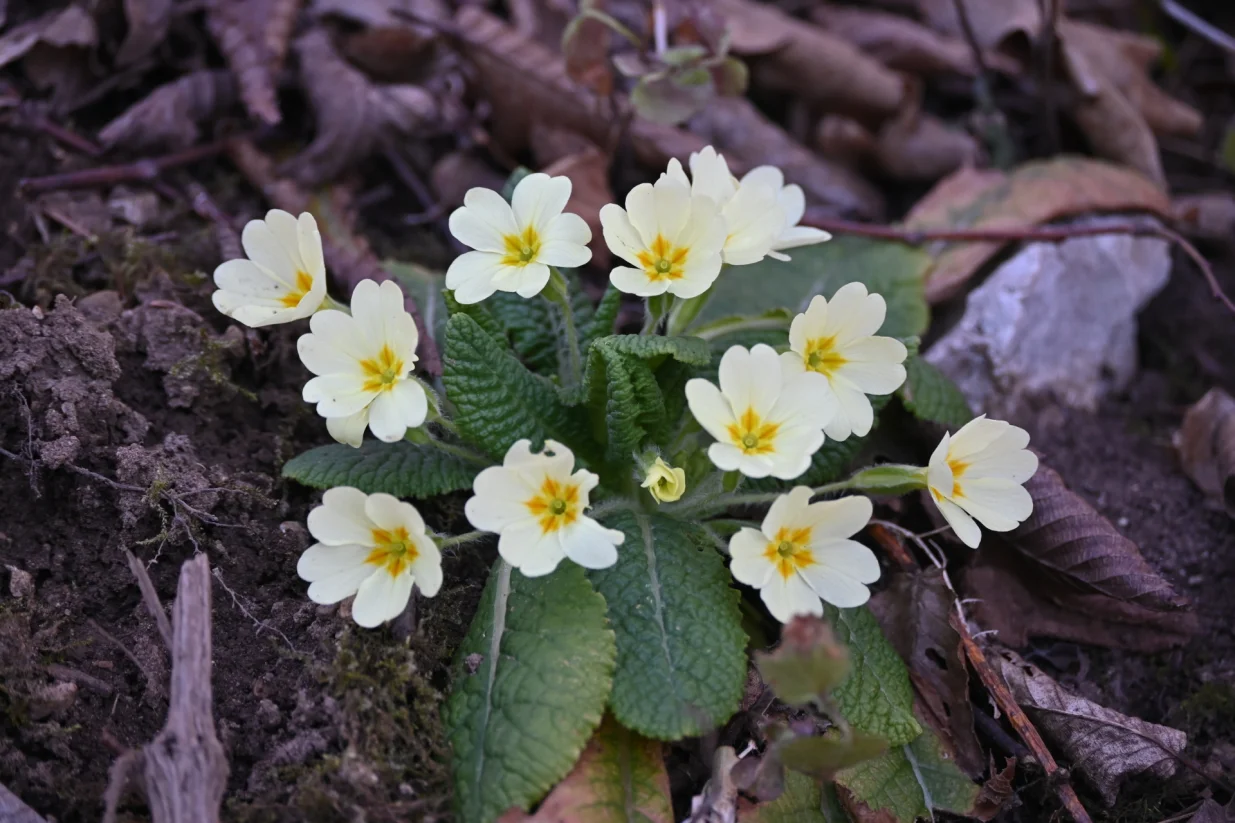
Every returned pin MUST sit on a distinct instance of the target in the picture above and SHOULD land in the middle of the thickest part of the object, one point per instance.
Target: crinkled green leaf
(931, 395)
(893, 270)
(684, 349)
(529, 688)
(681, 649)
(498, 401)
(620, 778)
(911, 780)
(403, 469)
(876, 697)
(480, 312)
(603, 319)
(534, 325)
(800, 802)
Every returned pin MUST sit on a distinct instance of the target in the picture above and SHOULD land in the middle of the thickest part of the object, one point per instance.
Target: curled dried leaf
(354, 117)
(1102, 744)
(1068, 536)
(253, 35)
(68, 27)
(917, 145)
(585, 48)
(809, 61)
(148, 22)
(1206, 444)
(169, 116)
(1007, 25)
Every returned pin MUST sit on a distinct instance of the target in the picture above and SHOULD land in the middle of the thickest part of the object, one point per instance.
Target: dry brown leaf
(812, 63)
(747, 138)
(168, 117)
(916, 613)
(1068, 536)
(1033, 194)
(1007, 25)
(901, 43)
(1206, 444)
(919, 146)
(68, 27)
(1209, 216)
(459, 171)
(148, 22)
(1019, 599)
(381, 13)
(563, 153)
(525, 83)
(585, 48)
(1211, 812)
(619, 777)
(253, 36)
(1103, 745)
(392, 54)
(354, 117)
(995, 791)
(348, 256)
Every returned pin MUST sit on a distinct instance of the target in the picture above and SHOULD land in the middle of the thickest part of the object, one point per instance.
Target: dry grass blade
(354, 117)
(1206, 444)
(1102, 744)
(148, 22)
(168, 117)
(1067, 535)
(239, 28)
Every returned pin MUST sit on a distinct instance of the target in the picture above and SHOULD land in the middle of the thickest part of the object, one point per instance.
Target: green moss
(1208, 713)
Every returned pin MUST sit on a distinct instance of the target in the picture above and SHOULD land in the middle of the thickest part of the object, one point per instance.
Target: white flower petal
(698, 275)
(798, 236)
(341, 519)
(962, 524)
(805, 398)
(247, 279)
(472, 276)
(309, 244)
(380, 598)
(526, 281)
(322, 562)
(833, 519)
(641, 212)
(526, 547)
(710, 176)
(835, 575)
(854, 415)
(939, 473)
(754, 220)
(426, 569)
(728, 458)
(538, 199)
(998, 504)
(634, 281)
(709, 407)
(483, 221)
(676, 171)
(337, 395)
(339, 331)
(389, 512)
(286, 231)
(769, 176)
(387, 420)
(751, 379)
(499, 499)
(789, 511)
(620, 234)
(349, 430)
(855, 313)
(748, 563)
(787, 597)
(590, 544)
(339, 586)
(320, 357)
(264, 248)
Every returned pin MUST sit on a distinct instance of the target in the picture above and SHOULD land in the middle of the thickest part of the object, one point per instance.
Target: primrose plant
(618, 471)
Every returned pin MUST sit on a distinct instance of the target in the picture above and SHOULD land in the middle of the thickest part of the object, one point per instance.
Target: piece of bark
(739, 131)
(252, 35)
(183, 770)
(796, 56)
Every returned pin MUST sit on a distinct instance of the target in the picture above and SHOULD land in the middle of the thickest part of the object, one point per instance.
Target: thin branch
(151, 597)
(1045, 234)
(146, 169)
(1190, 20)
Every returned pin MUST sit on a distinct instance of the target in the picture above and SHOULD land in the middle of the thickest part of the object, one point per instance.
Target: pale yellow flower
(284, 277)
(664, 482)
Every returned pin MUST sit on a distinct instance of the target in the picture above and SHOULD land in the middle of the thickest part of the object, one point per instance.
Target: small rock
(1057, 321)
(268, 714)
(21, 582)
(52, 700)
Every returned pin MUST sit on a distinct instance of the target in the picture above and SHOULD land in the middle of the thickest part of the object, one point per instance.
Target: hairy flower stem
(460, 539)
(558, 293)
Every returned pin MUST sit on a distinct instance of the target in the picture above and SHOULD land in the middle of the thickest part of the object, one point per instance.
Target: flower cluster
(766, 415)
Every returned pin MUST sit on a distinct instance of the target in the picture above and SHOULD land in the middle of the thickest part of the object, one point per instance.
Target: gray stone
(1057, 321)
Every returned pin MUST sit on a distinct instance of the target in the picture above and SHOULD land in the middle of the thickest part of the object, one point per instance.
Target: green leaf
(534, 326)
(876, 697)
(403, 469)
(910, 781)
(807, 664)
(620, 778)
(681, 650)
(690, 350)
(497, 400)
(529, 687)
(893, 270)
(516, 176)
(930, 395)
(800, 802)
(481, 313)
(603, 319)
(425, 285)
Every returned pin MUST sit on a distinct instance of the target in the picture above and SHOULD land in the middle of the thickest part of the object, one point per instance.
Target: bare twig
(1047, 46)
(238, 602)
(147, 169)
(1037, 234)
(151, 597)
(1190, 20)
(80, 678)
(152, 682)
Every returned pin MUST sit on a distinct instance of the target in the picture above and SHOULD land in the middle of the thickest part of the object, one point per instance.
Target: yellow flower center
(556, 505)
(958, 468)
(663, 260)
(392, 550)
(822, 356)
(521, 249)
(382, 372)
(752, 434)
(303, 283)
(789, 552)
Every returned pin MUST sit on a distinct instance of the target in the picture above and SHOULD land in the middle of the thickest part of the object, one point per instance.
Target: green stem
(557, 292)
(330, 304)
(613, 504)
(459, 539)
(720, 329)
(463, 453)
(685, 312)
(658, 305)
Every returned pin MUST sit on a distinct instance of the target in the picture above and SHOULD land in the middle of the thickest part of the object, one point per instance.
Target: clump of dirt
(137, 423)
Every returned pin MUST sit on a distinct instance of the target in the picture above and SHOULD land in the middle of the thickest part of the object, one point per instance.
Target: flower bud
(664, 482)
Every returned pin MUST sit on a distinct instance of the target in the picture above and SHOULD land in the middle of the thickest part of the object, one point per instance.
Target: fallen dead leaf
(561, 153)
(1209, 216)
(619, 777)
(381, 13)
(585, 48)
(1103, 745)
(169, 116)
(1068, 536)
(916, 614)
(70, 26)
(996, 790)
(1010, 26)
(1206, 445)
(459, 171)
(1018, 599)
(902, 43)
(916, 145)
(392, 54)
(1211, 812)
(747, 139)
(795, 56)
(253, 36)
(148, 22)
(354, 117)
(1034, 193)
